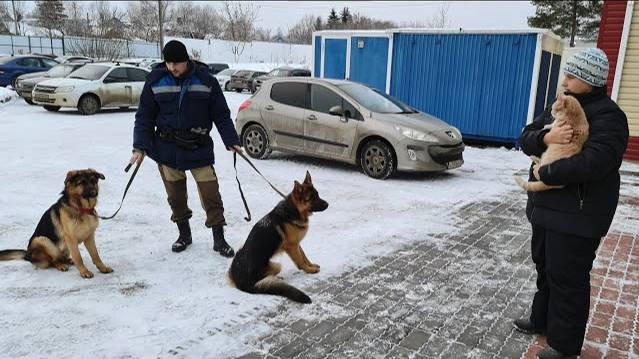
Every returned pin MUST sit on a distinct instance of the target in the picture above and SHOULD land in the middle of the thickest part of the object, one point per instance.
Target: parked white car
(224, 78)
(92, 87)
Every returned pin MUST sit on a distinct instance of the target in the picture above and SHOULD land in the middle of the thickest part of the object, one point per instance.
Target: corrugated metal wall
(479, 83)
(628, 98)
(317, 65)
(610, 29)
(335, 58)
(369, 61)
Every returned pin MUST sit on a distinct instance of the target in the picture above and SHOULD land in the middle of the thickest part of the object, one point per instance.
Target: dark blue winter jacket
(193, 102)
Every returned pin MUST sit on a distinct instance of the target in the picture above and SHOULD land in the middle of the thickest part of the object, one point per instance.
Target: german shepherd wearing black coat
(67, 223)
(280, 230)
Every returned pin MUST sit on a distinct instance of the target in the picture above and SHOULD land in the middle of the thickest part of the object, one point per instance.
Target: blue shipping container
(489, 84)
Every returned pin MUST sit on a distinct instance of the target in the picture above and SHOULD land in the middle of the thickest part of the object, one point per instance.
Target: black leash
(135, 171)
(248, 212)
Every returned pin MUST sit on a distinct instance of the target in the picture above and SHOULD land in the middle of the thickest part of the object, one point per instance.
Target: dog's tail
(522, 182)
(274, 286)
(13, 254)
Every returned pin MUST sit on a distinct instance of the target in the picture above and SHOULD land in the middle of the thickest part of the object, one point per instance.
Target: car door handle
(312, 117)
(127, 87)
(269, 107)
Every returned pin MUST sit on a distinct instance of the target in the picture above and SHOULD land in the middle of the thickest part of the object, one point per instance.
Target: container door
(335, 59)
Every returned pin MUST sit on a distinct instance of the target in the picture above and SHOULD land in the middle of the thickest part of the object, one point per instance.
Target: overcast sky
(466, 14)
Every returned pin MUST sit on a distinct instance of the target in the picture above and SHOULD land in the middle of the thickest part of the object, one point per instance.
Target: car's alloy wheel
(89, 105)
(51, 108)
(255, 142)
(378, 160)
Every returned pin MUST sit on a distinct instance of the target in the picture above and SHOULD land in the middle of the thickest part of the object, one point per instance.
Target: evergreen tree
(345, 16)
(573, 18)
(50, 15)
(333, 19)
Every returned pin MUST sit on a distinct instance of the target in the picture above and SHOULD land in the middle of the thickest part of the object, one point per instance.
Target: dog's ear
(297, 190)
(99, 175)
(307, 179)
(70, 176)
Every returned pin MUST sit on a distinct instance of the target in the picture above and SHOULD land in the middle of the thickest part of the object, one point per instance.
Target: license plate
(41, 98)
(454, 164)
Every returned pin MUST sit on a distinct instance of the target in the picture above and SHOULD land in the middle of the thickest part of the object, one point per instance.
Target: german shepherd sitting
(280, 230)
(67, 223)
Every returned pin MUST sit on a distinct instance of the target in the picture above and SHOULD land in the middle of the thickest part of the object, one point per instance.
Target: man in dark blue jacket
(179, 105)
(568, 223)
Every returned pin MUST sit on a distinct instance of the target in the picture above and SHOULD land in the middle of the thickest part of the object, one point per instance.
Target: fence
(16, 45)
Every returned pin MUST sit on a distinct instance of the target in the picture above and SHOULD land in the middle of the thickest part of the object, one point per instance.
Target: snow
(156, 301)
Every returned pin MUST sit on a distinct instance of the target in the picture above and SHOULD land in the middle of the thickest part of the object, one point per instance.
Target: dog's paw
(86, 274)
(61, 267)
(311, 269)
(105, 269)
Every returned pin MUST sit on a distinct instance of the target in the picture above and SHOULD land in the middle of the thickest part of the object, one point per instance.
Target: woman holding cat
(569, 222)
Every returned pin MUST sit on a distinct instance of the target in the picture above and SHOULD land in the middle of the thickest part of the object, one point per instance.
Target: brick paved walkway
(455, 296)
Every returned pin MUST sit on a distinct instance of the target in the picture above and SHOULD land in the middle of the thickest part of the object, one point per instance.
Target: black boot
(184, 240)
(524, 325)
(219, 243)
(550, 353)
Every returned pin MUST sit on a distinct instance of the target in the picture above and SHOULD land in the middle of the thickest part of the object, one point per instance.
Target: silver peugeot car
(349, 122)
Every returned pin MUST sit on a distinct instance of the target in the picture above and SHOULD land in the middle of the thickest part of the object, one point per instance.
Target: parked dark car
(214, 68)
(13, 66)
(243, 80)
(279, 72)
(25, 83)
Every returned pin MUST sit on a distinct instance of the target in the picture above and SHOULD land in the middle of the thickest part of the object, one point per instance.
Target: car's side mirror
(336, 111)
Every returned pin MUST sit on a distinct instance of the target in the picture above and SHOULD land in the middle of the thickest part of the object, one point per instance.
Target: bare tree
(18, 13)
(439, 20)
(196, 54)
(239, 28)
(105, 30)
(262, 34)
(5, 18)
(108, 20)
(143, 19)
(75, 25)
(302, 32)
(361, 22)
(195, 21)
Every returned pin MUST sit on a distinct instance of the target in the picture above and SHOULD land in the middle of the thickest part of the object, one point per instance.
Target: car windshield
(279, 73)
(242, 74)
(375, 100)
(227, 72)
(60, 70)
(89, 72)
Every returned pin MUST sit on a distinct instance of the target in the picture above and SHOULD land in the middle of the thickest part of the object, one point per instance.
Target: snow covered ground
(157, 300)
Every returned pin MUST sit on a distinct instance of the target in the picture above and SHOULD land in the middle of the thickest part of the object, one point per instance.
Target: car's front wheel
(29, 101)
(89, 104)
(255, 142)
(51, 108)
(227, 86)
(377, 159)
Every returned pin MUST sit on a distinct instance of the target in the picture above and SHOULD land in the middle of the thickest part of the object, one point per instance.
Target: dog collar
(84, 210)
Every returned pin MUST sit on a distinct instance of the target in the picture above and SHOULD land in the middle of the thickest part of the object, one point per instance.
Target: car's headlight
(416, 135)
(64, 89)
(457, 132)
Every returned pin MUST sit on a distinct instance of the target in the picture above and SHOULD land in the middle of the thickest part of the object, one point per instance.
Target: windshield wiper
(77, 77)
